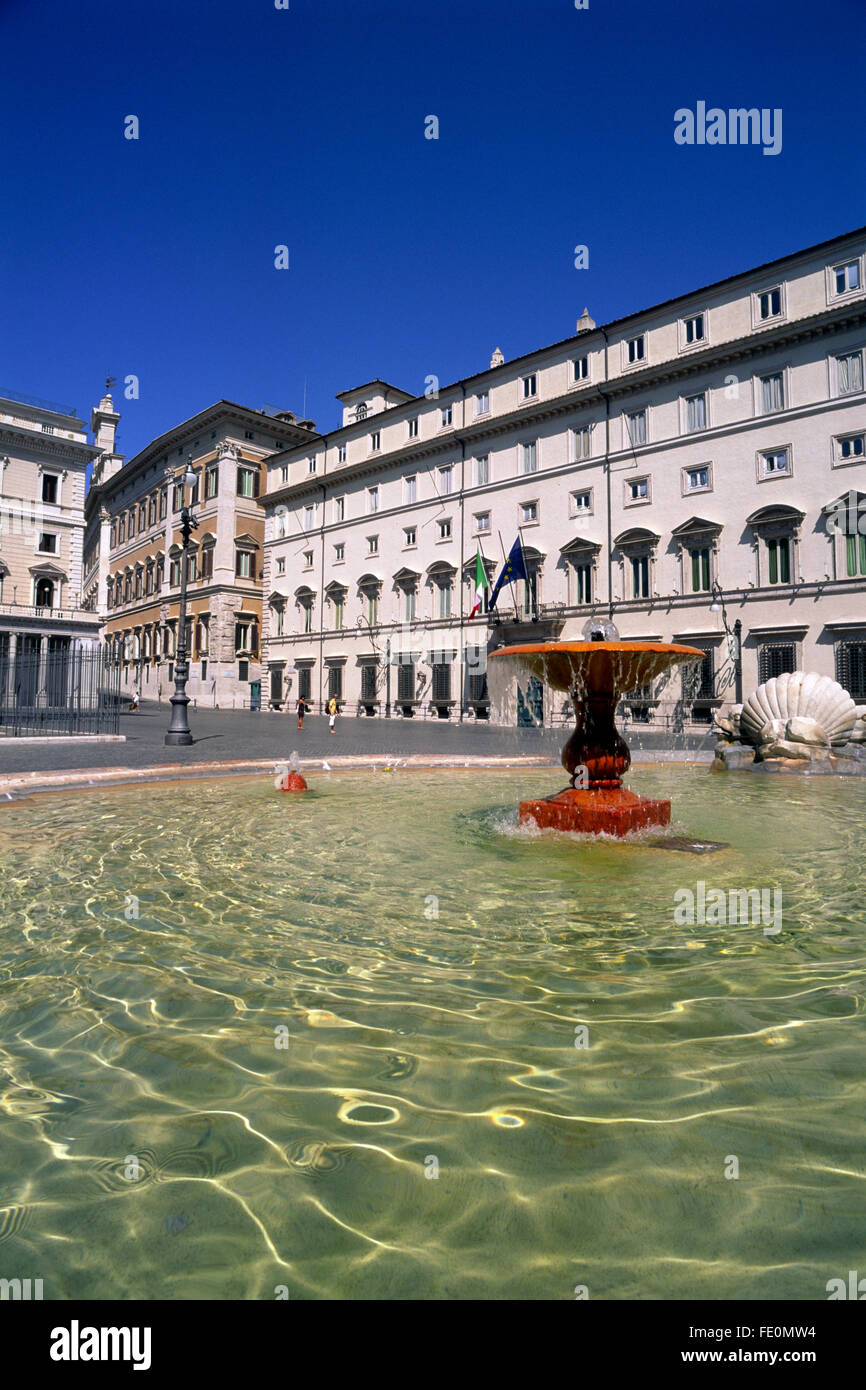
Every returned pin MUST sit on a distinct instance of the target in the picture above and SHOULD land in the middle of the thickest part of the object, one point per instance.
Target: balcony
(28, 612)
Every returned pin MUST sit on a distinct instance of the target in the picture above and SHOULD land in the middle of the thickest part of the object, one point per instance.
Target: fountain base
(596, 811)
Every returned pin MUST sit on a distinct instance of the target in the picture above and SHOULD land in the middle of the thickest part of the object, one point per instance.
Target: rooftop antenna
(305, 399)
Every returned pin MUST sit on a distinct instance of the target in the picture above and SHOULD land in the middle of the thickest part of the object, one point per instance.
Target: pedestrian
(134, 702)
(333, 711)
(303, 706)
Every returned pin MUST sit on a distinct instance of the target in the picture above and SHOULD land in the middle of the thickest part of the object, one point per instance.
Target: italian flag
(480, 583)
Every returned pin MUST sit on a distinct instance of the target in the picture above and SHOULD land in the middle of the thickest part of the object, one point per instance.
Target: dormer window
(361, 412)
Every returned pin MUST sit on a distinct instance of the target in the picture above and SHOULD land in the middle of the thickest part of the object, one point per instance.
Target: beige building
(716, 439)
(44, 453)
(132, 553)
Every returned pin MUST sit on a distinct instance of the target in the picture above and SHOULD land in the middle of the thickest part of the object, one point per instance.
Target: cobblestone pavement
(234, 734)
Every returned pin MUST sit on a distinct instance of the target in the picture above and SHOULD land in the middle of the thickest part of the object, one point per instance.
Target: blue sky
(408, 256)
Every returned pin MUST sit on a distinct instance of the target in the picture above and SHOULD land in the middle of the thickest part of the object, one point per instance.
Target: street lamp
(734, 636)
(178, 729)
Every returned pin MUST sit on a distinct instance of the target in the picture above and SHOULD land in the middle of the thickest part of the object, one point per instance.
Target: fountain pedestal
(596, 673)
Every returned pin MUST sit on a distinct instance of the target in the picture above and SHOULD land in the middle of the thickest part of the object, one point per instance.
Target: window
(49, 487)
(446, 416)
(482, 403)
(131, 523)
(779, 560)
(855, 555)
(121, 529)
(851, 669)
(177, 497)
(163, 502)
(311, 464)
(445, 530)
(580, 369)
(530, 386)
(338, 611)
(441, 681)
(700, 557)
(243, 565)
(410, 489)
(138, 583)
(113, 541)
(582, 442)
(852, 447)
(308, 559)
(372, 545)
(482, 470)
(693, 329)
(339, 552)
(279, 615)
(482, 523)
(581, 502)
(409, 536)
(849, 372)
(405, 681)
(774, 461)
(640, 576)
(445, 479)
(582, 583)
(305, 682)
(636, 426)
(341, 453)
(770, 303)
(248, 482)
(369, 675)
(697, 479)
(696, 412)
(372, 499)
(638, 489)
(48, 542)
(413, 427)
(846, 277)
(375, 441)
(310, 516)
(151, 510)
(339, 509)
(528, 513)
(281, 565)
(372, 608)
(44, 594)
(528, 458)
(361, 412)
(775, 659)
(173, 572)
(308, 616)
(636, 348)
(47, 429)
(772, 392)
(409, 605)
(444, 587)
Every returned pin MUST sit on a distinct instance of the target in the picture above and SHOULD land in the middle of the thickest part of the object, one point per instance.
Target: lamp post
(178, 729)
(734, 636)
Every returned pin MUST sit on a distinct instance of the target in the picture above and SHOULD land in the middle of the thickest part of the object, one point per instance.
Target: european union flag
(515, 568)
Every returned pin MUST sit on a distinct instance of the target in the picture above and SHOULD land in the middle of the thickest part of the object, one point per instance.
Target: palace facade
(132, 551)
(689, 465)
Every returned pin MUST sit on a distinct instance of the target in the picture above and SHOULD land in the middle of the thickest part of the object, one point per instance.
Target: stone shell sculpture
(800, 707)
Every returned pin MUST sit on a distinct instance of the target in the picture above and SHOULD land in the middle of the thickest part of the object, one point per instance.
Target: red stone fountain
(596, 674)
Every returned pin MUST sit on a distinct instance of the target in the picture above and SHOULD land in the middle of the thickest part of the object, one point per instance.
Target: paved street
(232, 734)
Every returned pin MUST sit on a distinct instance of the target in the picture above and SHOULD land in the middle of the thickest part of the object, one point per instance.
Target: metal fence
(62, 690)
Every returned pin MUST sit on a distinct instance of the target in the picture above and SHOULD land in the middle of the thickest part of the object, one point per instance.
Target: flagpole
(510, 580)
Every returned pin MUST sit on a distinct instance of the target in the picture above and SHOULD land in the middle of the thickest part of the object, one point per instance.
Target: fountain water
(596, 673)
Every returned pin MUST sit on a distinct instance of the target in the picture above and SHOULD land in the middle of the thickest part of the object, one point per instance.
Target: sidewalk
(239, 735)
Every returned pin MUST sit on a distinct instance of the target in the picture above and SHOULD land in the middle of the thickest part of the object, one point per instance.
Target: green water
(155, 1143)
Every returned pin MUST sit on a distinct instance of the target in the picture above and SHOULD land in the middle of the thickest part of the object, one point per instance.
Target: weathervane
(109, 382)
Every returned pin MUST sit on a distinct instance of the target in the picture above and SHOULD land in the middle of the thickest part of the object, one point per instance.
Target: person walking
(135, 702)
(303, 706)
(333, 711)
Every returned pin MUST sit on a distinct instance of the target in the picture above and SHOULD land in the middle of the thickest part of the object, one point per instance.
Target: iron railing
(63, 690)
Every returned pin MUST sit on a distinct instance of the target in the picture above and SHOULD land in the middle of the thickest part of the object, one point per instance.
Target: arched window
(45, 593)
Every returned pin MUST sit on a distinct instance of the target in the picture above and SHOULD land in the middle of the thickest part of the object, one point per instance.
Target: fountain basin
(596, 674)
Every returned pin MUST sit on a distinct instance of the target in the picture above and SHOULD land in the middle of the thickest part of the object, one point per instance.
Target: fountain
(596, 673)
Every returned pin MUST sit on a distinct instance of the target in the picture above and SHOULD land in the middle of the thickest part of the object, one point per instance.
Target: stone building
(689, 465)
(132, 564)
(44, 454)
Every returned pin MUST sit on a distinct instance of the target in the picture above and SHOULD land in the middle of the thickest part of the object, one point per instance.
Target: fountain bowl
(596, 674)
